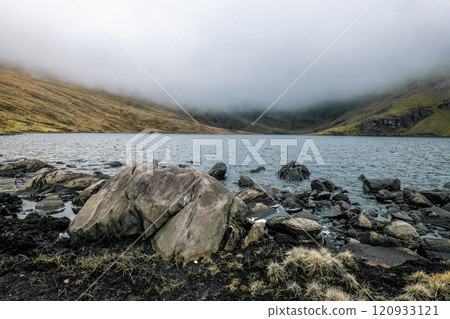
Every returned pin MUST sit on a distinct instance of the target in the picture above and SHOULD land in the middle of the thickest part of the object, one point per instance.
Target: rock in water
(218, 171)
(293, 171)
(415, 199)
(323, 185)
(373, 185)
(187, 213)
(115, 164)
(22, 167)
(52, 204)
(48, 180)
(245, 182)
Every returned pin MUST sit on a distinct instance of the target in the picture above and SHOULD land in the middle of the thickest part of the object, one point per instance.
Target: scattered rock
(340, 197)
(292, 204)
(323, 185)
(250, 194)
(245, 182)
(218, 171)
(293, 171)
(362, 177)
(373, 185)
(436, 248)
(52, 204)
(260, 207)
(9, 204)
(435, 216)
(362, 222)
(81, 199)
(18, 169)
(301, 229)
(257, 170)
(437, 197)
(256, 233)
(415, 199)
(384, 256)
(324, 196)
(401, 230)
(115, 164)
(57, 181)
(401, 216)
(384, 196)
(187, 213)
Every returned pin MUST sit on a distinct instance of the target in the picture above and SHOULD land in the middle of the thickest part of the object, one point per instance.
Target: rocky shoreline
(204, 242)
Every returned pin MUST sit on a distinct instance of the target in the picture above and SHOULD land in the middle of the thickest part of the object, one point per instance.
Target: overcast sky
(219, 54)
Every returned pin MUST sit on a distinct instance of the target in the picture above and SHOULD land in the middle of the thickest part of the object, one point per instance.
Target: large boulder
(323, 185)
(20, 168)
(293, 171)
(373, 185)
(186, 213)
(396, 234)
(415, 199)
(301, 229)
(82, 198)
(48, 180)
(218, 171)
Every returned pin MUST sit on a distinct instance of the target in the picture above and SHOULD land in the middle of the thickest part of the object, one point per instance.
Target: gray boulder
(384, 196)
(437, 197)
(23, 167)
(81, 199)
(187, 213)
(218, 171)
(293, 171)
(373, 185)
(301, 229)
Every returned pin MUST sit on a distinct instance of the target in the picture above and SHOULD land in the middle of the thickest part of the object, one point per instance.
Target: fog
(225, 54)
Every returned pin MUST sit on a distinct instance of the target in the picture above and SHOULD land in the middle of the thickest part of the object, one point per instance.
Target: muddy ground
(38, 263)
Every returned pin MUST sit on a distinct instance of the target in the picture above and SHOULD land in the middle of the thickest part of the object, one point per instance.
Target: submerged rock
(23, 167)
(257, 170)
(218, 171)
(293, 171)
(301, 229)
(187, 213)
(115, 164)
(373, 185)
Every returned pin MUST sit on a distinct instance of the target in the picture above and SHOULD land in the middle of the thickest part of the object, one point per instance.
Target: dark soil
(37, 263)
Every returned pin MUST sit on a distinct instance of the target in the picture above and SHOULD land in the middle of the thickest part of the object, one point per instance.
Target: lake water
(420, 163)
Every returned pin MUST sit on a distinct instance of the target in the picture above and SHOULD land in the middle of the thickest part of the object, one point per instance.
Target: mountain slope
(29, 104)
(420, 108)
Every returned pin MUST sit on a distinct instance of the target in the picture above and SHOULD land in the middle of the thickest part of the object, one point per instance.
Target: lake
(420, 163)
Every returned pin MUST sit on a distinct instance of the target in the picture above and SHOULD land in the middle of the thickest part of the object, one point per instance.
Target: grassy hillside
(29, 104)
(431, 93)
